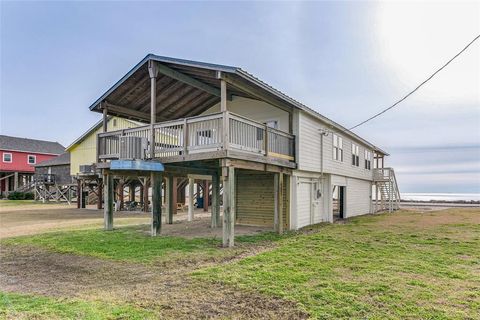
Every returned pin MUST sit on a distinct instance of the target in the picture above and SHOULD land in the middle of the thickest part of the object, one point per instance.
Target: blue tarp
(136, 165)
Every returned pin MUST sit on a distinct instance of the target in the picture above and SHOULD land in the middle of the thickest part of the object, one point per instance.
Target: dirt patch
(38, 218)
(170, 290)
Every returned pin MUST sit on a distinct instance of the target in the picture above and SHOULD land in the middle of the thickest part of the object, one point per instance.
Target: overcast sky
(347, 60)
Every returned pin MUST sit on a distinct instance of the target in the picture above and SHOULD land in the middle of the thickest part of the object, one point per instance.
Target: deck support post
(15, 181)
(108, 196)
(100, 195)
(153, 72)
(191, 183)
(169, 198)
(144, 195)
(206, 195)
(175, 194)
(79, 192)
(215, 201)
(280, 197)
(228, 174)
(156, 181)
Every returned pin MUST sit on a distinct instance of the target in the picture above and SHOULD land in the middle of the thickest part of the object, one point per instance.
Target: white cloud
(415, 38)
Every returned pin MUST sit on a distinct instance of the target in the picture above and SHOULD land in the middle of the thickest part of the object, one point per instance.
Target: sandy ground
(40, 218)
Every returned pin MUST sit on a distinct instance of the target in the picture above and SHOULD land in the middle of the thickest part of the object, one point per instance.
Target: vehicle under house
(272, 161)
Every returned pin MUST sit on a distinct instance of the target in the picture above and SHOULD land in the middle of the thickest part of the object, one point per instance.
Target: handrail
(204, 132)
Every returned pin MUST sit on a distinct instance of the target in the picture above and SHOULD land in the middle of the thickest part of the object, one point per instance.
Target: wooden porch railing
(203, 134)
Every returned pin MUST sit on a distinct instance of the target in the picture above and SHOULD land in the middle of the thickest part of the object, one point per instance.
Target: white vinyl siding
(358, 200)
(256, 110)
(308, 141)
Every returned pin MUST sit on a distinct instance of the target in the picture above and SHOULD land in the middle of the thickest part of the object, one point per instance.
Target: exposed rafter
(169, 72)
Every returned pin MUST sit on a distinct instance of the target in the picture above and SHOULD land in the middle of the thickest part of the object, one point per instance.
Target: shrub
(20, 196)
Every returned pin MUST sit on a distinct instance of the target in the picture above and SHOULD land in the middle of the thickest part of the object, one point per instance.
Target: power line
(418, 87)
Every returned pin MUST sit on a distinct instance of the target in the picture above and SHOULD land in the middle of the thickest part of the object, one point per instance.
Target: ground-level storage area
(257, 198)
(317, 198)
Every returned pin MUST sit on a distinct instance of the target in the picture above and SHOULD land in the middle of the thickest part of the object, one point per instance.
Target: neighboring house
(281, 163)
(83, 151)
(53, 181)
(56, 170)
(18, 157)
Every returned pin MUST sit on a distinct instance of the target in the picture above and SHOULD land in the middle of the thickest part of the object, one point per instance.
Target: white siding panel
(256, 110)
(358, 197)
(304, 203)
(309, 150)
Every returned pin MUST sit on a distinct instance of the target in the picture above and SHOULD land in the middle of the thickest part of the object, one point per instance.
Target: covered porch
(203, 119)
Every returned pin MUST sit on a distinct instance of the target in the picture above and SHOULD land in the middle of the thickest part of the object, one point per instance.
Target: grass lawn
(391, 266)
(13, 203)
(14, 306)
(141, 246)
(371, 268)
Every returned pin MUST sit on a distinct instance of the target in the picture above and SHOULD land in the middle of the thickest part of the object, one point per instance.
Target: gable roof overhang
(187, 88)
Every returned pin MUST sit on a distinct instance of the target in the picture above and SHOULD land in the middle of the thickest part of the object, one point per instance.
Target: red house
(18, 157)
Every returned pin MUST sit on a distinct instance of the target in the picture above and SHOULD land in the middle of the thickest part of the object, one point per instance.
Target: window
(355, 155)
(7, 157)
(337, 148)
(114, 122)
(368, 160)
(32, 159)
(271, 124)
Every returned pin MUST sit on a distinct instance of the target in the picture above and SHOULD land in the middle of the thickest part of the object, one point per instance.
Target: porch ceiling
(130, 97)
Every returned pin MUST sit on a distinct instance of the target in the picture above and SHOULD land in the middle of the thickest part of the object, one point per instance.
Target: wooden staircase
(387, 196)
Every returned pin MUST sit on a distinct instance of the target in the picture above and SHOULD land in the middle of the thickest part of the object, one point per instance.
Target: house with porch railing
(272, 161)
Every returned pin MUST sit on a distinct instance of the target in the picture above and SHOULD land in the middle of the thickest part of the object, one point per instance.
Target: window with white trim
(355, 155)
(7, 157)
(337, 148)
(32, 159)
(368, 160)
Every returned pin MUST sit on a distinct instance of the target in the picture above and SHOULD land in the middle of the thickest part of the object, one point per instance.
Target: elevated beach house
(273, 161)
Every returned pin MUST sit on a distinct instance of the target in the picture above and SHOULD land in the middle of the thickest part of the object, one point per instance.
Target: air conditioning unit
(86, 169)
(132, 148)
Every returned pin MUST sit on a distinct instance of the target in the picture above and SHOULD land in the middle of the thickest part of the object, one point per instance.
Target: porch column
(206, 195)
(279, 197)
(175, 194)
(169, 198)
(108, 196)
(144, 195)
(79, 190)
(156, 181)
(191, 183)
(100, 193)
(229, 200)
(15, 181)
(153, 72)
(131, 191)
(215, 200)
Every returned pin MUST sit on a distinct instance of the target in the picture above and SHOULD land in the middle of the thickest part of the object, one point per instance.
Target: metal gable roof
(30, 145)
(207, 100)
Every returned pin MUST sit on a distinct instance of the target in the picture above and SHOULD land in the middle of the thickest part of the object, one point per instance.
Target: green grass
(364, 269)
(13, 203)
(13, 306)
(132, 244)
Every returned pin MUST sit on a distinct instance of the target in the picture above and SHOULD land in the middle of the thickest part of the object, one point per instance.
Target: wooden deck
(213, 136)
